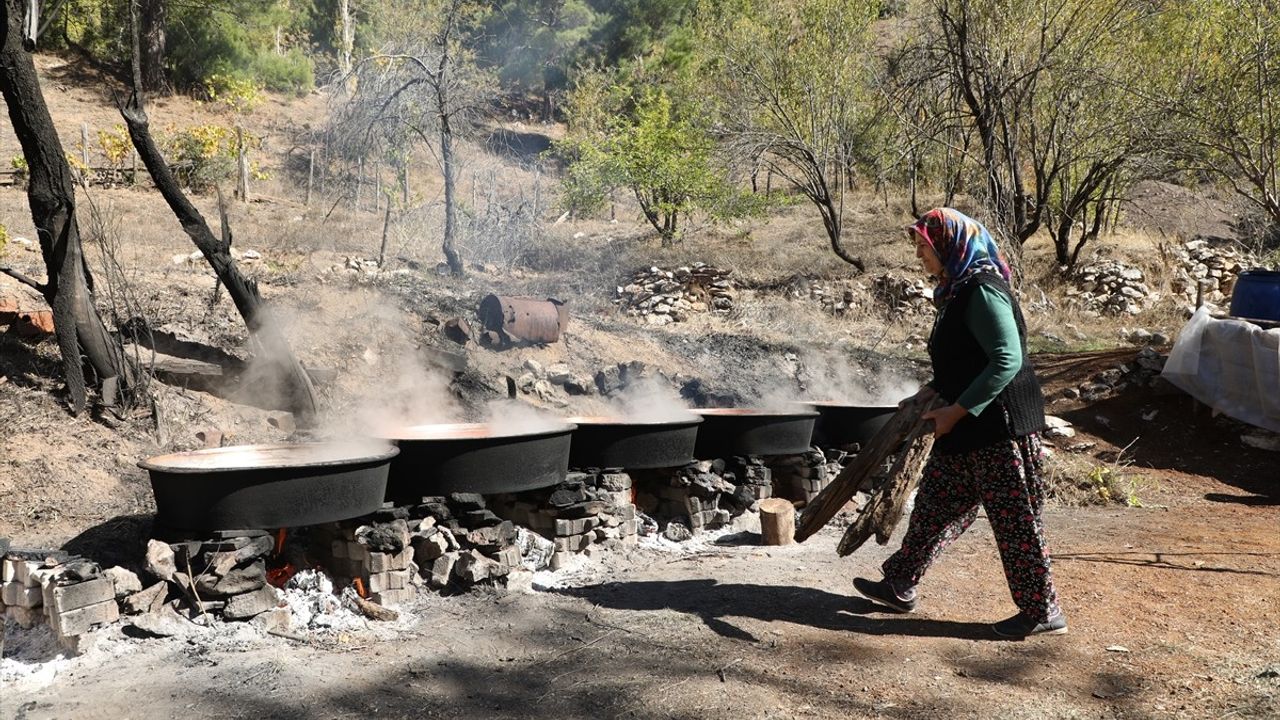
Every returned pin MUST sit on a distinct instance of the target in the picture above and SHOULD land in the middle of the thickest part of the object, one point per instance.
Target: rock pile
(1111, 288)
(355, 268)
(1143, 371)
(1213, 267)
(665, 296)
(902, 295)
(802, 477)
(703, 495)
(588, 509)
(836, 297)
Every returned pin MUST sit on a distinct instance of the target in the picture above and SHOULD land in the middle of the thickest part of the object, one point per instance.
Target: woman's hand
(924, 394)
(945, 418)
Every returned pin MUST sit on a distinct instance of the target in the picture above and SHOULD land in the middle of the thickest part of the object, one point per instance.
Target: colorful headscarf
(964, 246)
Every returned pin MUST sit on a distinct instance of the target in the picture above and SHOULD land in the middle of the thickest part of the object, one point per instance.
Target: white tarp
(1230, 365)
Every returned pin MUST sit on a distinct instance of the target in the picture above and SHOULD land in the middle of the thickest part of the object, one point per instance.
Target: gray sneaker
(883, 592)
(1021, 626)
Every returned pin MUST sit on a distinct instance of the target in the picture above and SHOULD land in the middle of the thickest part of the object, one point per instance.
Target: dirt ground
(1172, 615)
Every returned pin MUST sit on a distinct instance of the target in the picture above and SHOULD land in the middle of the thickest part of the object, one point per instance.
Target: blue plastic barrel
(1257, 296)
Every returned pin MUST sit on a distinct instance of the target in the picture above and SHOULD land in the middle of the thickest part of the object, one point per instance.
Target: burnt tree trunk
(51, 196)
(153, 16)
(275, 350)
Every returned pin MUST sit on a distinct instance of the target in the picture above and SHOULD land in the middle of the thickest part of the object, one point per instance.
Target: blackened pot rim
(755, 413)
(623, 421)
(448, 432)
(279, 456)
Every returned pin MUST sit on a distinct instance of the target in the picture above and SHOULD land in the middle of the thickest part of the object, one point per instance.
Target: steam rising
(650, 400)
(511, 417)
(838, 378)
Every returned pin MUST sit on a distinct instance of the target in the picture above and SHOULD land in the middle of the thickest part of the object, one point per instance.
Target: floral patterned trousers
(1006, 479)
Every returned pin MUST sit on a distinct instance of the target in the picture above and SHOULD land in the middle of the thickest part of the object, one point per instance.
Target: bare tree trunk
(300, 395)
(346, 36)
(153, 16)
(450, 201)
(51, 196)
(311, 174)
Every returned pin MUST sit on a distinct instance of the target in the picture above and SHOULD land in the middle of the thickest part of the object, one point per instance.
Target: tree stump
(777, 521)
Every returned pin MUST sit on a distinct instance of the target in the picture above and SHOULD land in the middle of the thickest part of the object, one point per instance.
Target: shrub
(204, 155)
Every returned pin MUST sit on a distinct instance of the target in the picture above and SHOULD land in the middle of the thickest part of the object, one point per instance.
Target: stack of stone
(1110, 287)
(802, 477)
(835, 297)
(588, 509)
(71, 593)
(1214, 268)
(664, 296)
(224, 574)
(902, 295)
(375, 550)
(441, 542)
(704, 495)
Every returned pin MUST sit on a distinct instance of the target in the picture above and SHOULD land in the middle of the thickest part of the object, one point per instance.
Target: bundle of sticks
(903, 446)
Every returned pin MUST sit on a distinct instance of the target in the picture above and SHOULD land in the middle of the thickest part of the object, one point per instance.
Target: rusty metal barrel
(525, 319)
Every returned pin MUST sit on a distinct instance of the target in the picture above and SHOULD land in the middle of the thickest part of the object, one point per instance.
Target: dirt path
(1173, 613)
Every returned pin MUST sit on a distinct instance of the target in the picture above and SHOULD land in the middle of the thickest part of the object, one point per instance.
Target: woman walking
(987, 449)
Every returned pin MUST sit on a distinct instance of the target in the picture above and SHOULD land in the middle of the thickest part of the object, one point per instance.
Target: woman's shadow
(713, 602)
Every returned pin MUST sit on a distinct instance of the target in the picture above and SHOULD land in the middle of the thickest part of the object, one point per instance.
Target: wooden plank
(904, 424)
(884, 509)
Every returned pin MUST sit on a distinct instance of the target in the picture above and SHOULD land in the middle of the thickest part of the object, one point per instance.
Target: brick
(572, 543)
(23, 572)
(565, 528)
(394, 598)
(15, 594)
(389, 580)
(82, 619)
(629, 527)
(356, 551)
(382, 562)
(625, 512)
(71, 597)
(508, 557)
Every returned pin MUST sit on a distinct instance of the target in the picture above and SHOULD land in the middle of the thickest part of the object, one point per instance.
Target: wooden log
(884, 509)
(777, 521)
(834, 496)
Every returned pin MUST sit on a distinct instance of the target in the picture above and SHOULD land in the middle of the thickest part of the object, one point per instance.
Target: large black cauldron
(614, 442)
(841, 425)
(268, 486)
(726, 432)
(475, 458)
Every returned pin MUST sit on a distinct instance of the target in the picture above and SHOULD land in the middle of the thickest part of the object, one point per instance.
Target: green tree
(1216, 69)
(792, 82)
(532, 43)
(663, 157)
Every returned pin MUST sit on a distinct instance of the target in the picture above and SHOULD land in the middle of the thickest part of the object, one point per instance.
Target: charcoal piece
(464, 502)
(78, 571)
(434, 499)
(383, 537)
(240, 579)
(567, 495)
(739, 501)
(437, 510)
